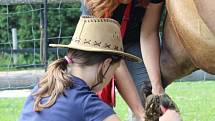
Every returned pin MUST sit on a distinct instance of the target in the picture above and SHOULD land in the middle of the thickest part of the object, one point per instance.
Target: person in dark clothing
(140, 38)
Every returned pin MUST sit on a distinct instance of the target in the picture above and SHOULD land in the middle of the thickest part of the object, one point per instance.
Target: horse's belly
(206, 11)
(191, 29)
(175, 62)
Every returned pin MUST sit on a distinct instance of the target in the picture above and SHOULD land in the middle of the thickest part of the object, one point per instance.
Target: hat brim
(124, 55)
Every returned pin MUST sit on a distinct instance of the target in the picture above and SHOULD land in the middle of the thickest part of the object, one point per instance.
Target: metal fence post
(46, 41)
(15, 44)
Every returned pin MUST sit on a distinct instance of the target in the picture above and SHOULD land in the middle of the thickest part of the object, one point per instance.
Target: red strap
(125, 19)
(113, 94)
(107, 94)
(123, 29)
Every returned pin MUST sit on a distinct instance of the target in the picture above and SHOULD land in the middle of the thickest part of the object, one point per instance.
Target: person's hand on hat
(99, 8)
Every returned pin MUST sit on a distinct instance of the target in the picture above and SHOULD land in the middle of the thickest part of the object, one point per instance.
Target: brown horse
(189, 38)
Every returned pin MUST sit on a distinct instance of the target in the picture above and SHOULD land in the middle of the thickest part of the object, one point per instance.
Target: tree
(26, 19)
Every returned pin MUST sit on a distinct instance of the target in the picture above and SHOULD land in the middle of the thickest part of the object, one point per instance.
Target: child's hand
(170, 115)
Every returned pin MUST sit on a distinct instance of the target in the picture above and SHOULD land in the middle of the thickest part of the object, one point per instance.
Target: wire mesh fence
(22, 64)
(22, 38)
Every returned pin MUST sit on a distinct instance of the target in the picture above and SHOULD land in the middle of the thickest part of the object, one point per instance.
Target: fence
(24, 21)
(26, 27)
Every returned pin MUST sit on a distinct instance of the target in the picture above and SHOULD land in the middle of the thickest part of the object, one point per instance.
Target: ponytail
(57, 78)
(52, 85)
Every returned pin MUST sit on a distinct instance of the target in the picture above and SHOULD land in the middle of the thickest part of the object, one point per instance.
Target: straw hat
(98, 35)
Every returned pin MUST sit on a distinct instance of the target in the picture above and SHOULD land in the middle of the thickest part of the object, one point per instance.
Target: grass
(121, 108)
(10, 108)
(196, 101)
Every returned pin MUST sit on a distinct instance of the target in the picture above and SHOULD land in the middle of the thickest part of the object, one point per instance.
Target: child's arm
(113, 117)
(128, 91)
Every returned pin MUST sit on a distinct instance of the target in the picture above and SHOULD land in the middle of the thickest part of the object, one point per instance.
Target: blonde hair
(52, 85)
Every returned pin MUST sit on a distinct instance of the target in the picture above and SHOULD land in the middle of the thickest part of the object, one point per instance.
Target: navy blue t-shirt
(78, 104)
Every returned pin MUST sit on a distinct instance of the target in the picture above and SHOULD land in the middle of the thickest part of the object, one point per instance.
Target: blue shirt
(79, 104)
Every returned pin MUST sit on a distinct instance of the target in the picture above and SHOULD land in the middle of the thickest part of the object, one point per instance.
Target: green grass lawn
(196, 101)
(10, 108)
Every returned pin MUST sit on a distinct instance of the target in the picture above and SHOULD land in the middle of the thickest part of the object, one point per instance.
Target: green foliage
(27, 18)
(3, 25)
(6, 61)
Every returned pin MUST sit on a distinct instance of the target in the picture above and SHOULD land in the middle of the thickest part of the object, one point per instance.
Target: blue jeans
(137, 70)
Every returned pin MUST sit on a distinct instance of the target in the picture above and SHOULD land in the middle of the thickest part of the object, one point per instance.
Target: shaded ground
(19, 79)
(14, 93)
(28, 78)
